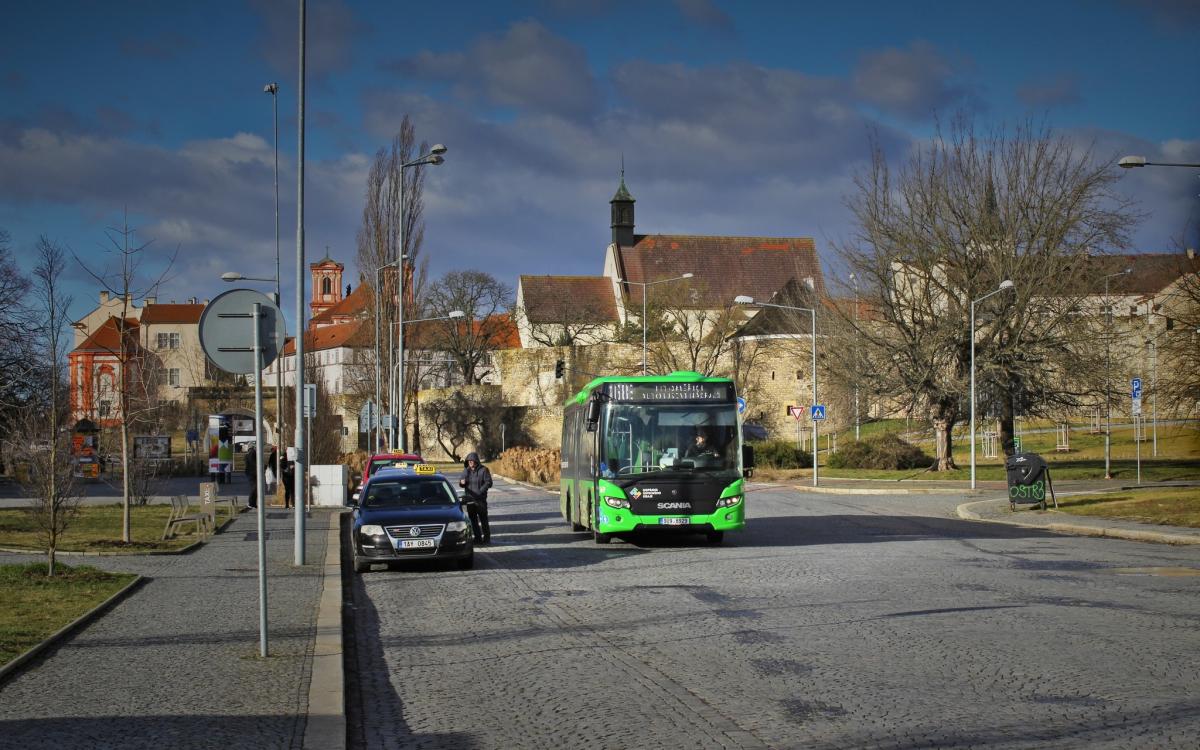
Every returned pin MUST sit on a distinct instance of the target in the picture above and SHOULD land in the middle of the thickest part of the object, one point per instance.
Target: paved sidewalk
(176, 663)
(1067, 523)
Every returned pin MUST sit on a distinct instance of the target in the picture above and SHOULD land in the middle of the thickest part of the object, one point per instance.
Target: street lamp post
(745, 300)
(452, 315)
(643, 285)
(301, 463)
(1108, 319)
(1129, 162)
(273, 90)
(1006, 284)
(857, 422)
(433, 158)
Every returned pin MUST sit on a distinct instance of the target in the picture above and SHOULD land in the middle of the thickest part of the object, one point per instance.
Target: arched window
(326, 287)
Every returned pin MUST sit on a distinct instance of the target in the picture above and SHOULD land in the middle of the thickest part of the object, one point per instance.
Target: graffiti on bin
(1035, 491)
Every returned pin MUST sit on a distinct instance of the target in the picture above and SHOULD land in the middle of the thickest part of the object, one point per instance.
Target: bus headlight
(728, 502)
(371, 530)
(616, 502)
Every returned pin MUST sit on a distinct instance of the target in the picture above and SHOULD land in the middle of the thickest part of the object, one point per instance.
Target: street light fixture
(452, 315)
(1129, 162)
(1004, 285)
(643, 285)
(745, 300)
(1108, 316)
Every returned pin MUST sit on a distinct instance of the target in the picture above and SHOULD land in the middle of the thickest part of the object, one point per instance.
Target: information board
(666, 392)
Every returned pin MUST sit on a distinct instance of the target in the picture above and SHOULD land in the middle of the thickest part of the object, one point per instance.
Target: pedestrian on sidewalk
(251, 461)
(289, 482)
(476, 480)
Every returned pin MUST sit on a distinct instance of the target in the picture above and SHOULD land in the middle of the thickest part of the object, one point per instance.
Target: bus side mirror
(593, 414)
(748, 460)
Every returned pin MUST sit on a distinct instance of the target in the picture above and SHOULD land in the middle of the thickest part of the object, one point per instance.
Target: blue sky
(746, 118)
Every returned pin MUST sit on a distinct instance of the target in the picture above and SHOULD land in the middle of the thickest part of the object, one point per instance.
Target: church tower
(326, 284)
(622, 215)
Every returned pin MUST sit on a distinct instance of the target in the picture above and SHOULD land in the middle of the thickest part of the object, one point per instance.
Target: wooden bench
(180, 515)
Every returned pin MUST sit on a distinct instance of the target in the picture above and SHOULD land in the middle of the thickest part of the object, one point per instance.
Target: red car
(386, 461)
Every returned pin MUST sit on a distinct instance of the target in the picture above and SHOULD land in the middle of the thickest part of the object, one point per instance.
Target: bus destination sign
(660, 392)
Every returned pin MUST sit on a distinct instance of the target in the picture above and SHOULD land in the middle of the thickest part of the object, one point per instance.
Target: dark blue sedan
(410, 514)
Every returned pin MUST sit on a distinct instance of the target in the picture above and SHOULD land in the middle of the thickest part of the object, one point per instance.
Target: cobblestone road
(830, 622)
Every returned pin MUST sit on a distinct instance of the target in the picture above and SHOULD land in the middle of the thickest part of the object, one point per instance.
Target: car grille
(427, 530)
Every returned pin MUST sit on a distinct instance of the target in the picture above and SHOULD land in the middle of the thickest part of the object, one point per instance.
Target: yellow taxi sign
(425, 469)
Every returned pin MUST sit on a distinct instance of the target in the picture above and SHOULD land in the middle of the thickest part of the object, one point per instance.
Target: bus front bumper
(617, 520)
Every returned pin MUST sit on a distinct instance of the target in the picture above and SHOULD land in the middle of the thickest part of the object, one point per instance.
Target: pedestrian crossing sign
(818, 412)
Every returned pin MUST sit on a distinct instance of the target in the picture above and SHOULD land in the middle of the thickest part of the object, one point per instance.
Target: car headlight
(457, 526)
(616, 502)
(730, 501)
(371, 529)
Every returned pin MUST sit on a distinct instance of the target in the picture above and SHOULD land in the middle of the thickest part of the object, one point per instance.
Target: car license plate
(414, 543)
(674, 521)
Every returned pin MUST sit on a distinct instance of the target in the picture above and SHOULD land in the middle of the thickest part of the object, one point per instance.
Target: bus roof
(679, 376)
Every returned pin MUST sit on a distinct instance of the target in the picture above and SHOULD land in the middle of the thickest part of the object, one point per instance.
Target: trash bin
(1028, 480)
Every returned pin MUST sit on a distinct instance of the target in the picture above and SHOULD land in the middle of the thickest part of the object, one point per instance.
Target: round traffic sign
(227, 330)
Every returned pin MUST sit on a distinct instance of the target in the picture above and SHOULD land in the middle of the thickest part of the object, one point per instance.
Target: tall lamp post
(1006, 284)
(273, 90)
(1108, 319)
(433, 158)
(744, 300)
(857, 422)
(452, 315)
(1129, 162)
(643, 285)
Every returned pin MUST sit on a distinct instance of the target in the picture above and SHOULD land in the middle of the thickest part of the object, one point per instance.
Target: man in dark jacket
(251, 460)
(476, 480)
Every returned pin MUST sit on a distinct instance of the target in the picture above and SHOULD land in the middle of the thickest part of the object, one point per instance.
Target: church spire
(622, 212)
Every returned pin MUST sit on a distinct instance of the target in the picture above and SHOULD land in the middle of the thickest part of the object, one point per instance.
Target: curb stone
(15, 666)
(325, 728)
(884, 490)
(1078, 530)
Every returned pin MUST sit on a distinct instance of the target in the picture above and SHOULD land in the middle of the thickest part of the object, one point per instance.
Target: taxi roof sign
(425, 469)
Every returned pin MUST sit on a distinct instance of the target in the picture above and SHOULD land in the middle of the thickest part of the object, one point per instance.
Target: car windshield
(409, 492)
(390, 463)
(641, 438)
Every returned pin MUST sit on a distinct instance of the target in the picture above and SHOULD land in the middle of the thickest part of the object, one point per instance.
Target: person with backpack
(476, 480)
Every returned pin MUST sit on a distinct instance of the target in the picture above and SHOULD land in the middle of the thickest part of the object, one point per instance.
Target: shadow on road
(804, 531)
(375, 714)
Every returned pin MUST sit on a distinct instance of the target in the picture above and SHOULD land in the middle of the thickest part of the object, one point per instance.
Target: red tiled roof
(568, 299)
(499, 329)
(722, 267)
(350, 306)
(106, 338)
(172, 313)
(1151, 272)
(353, 334)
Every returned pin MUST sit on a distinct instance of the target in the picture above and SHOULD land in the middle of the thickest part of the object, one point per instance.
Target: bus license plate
(674, 521)
(414, 543)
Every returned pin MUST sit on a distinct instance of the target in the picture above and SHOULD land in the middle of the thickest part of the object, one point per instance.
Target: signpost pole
(260, 486)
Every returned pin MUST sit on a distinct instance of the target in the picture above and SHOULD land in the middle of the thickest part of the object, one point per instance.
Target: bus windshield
(643, 438)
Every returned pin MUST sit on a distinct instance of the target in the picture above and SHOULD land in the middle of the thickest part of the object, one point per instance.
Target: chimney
(103, 297)
(151, 300)
(1191, 253)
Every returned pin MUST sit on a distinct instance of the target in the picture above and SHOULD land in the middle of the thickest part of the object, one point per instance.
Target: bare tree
(16, 389)
(138, 380)
(385, 223)
(50, 480)
(964, 213)
(470, 341)
(1177, 345)
(568, 323)
(685, 336)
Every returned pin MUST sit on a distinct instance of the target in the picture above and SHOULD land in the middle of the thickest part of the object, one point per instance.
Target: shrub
(780, 454)
(537, 465)
(885, 451)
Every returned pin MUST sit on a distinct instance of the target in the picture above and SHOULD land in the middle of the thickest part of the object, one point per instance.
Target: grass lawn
(33, 606)
(97, 528)
(1171, 506)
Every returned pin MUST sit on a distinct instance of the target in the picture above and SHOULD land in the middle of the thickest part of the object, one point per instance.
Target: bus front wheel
(601, 538)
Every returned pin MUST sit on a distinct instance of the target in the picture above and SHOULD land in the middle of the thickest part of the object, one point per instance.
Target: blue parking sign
(818, 412)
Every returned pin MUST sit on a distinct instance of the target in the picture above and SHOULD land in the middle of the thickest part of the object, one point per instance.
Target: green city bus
(642, 453)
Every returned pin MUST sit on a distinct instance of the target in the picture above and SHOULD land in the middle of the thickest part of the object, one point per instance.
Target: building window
(105, 408)
(326, 287)
(168, 341)
(173, 376)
